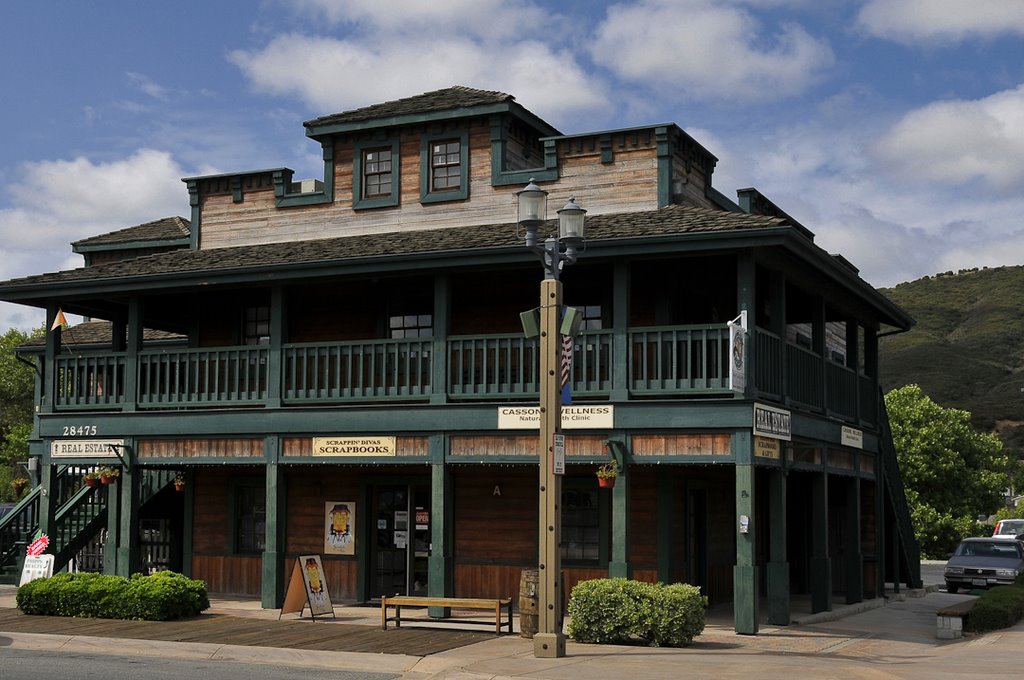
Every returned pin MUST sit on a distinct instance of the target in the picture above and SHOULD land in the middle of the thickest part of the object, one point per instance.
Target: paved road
(26, 664)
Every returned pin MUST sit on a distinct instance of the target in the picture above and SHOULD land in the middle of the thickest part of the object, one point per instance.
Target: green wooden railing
(367, 369)
(663, 361)
(207, 377)
(90, 381)
(679, 359)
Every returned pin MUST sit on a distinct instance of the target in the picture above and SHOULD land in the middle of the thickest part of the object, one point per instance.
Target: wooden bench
(949, 621)
(399, 601)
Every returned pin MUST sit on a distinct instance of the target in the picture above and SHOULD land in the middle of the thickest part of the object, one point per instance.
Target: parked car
(1008, 529)
(983, 563)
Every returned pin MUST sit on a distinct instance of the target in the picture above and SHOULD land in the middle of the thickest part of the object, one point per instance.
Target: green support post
(745, 587)
(618, 566)
(133, 345)
(778, 563)
(278, 328)
(439, 357)
(620, 330)
(821, 564)
(126, 510)
(440, 566)
(272, 584)
(854, 567)
(47, 505)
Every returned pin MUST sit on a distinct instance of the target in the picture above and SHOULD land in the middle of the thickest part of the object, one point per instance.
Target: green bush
(617, 611)
(1000, 607)
(160, 597)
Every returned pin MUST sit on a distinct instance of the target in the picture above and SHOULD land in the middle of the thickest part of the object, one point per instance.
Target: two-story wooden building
(337, 366)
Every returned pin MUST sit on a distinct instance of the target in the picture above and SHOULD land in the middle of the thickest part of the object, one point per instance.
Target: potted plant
(109, 475)
(91, 478)
(179, 482)
(607, 473)
(19, 484)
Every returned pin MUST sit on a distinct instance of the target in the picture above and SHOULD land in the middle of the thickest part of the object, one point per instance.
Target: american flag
(567, 345)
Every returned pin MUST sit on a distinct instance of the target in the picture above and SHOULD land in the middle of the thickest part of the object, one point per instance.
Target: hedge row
(619, 611)
(1000, 607)
(159, 597)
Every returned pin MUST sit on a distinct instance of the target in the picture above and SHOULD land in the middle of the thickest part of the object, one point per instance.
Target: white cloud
(708, 50)
(332, 74)
(960, 141)
(56, 202)
(495, 20)
(941, 21)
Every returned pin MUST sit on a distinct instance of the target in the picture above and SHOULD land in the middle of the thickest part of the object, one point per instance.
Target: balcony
(659, 362)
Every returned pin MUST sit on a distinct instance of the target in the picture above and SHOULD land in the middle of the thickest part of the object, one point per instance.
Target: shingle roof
(165, 229)
(456, 97)
(99, 333)
(674, 219)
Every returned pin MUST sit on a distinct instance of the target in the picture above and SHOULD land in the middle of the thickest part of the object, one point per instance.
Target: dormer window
(375, 175)
(445, 165)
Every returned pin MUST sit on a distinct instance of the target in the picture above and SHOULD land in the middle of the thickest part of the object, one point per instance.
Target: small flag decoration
(59, 321)
(567, 347)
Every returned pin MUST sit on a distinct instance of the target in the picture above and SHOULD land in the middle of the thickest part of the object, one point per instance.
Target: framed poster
(340, 528)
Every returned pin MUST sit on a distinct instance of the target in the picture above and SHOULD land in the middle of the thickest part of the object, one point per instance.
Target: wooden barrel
(528, 584)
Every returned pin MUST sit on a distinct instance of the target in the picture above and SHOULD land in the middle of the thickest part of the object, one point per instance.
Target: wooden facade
(343, 372)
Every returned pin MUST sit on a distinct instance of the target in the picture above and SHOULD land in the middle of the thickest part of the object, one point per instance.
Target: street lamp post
(549, 641)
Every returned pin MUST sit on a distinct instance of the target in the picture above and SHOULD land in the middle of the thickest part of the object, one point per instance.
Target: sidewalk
(898, 634)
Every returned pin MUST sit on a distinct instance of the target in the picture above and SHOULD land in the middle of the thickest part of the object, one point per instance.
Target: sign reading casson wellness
(354, 446)
(573, 417)
(772, 422)
(85, 448)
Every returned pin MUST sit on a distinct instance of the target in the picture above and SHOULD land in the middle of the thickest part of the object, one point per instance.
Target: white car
(1008, 529)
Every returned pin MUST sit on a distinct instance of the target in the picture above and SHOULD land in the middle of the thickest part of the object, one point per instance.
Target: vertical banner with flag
(567, 347)
(738, 352)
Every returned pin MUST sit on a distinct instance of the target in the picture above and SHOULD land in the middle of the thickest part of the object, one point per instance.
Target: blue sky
(893, 129)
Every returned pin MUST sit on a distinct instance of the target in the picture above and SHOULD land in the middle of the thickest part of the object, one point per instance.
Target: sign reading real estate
(772, 422)
(765, 447)
(36, 566)
(85, 448)
(354, 446)
(853, 437)
(573, 417)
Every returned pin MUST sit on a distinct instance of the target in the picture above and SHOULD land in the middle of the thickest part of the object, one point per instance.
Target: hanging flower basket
(91, 479)
(109, 475)
(607, 474)
(179, 483)
(19, 484)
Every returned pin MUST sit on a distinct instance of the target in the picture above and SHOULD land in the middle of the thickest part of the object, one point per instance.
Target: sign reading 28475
(79, 431)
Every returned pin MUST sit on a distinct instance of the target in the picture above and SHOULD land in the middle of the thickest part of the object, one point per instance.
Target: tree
(952, 472)
(17, 407)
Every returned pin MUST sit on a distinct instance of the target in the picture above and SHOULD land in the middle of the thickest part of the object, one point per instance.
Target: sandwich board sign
(307, 586)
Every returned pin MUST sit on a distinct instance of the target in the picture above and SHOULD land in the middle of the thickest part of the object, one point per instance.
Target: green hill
(967, 349)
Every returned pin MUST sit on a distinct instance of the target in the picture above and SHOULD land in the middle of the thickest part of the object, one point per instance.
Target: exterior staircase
(82, 512)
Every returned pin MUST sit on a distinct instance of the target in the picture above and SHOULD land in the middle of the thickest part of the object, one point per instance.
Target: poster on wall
(340, 528)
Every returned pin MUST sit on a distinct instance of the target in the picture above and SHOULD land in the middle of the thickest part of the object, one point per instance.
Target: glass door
(401, 526)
